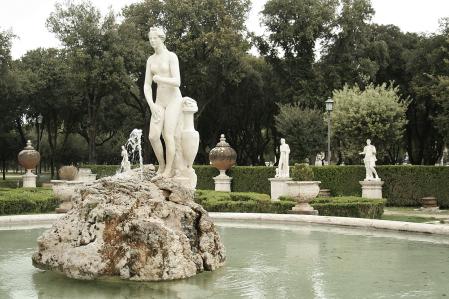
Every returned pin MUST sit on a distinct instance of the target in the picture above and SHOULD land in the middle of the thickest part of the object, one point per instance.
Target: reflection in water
(264, 261)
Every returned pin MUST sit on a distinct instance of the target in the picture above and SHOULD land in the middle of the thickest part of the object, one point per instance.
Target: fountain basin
(264, 260)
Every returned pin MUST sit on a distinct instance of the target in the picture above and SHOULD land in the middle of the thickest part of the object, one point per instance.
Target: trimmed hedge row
(27, 201)
(404, 185)
(249, 202)
(347, 206)
(242, 202)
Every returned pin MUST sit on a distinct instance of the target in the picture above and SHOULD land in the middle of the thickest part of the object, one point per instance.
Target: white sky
(27, 18)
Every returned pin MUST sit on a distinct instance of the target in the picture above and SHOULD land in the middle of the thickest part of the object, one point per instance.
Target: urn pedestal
(29, 158)
(222, 157)
(372, 189)
(223, 182)
(29, 179)
(304, 192)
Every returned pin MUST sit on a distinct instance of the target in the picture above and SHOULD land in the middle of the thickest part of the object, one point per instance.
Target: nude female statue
(163, 68)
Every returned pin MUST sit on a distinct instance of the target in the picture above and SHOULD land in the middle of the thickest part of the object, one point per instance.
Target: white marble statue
(319, 159)
(171, 114)
(370, 161)
(125, 165)
(283, 170)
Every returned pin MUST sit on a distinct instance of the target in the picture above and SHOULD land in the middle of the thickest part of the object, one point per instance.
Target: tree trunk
(4, 168)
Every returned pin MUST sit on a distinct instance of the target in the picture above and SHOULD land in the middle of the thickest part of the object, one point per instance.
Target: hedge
(242, 202)
(347, 206)
(249, 202)
(404, 185)
(27, 201)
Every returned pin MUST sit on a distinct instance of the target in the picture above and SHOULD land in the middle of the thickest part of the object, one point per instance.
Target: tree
(209, 38)
(97, 67)
(376, 113)
(50, 93)
(9, 104)
(304, 129)
(294, 28)
(425, 143)
(345, 59)
(440, 91)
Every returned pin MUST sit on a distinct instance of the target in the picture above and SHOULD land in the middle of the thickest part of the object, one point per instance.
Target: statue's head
(156, 35)
(282, 140)
(368, 141)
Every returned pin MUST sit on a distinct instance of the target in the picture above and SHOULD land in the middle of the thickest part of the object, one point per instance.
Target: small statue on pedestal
(283, 169)
(125, 165)
(370, 161)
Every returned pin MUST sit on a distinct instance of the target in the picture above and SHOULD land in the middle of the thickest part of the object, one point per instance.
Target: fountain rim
(41, 220)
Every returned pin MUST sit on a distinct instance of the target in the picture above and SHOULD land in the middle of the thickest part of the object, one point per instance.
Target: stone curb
(17, 220)
(342, 221)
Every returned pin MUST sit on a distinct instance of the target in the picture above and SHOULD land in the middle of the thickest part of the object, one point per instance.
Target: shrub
(242, 202)
(27, 201)
(349, 207)
(248, 202)
(404, 185)
(302, 172)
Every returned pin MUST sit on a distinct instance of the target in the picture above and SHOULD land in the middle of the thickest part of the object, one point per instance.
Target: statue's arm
(147, 90)
(175, 79)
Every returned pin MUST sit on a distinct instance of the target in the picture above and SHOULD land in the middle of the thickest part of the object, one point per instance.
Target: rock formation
(133, 229)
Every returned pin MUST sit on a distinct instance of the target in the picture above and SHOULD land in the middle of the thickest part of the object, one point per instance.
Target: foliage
(404, 185)
(293, 28)
(346, 206)
(346, 58)
(376, 113)
(241, 202)
(303, 128)
(249, 202)
(349, 207)
(97, 69)
(209, 38)
(26, 201)
(302, 172)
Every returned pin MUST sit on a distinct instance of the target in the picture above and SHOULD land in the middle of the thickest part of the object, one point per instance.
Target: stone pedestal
(64, 190)
(85, 175)
(29, 179)
(372, 189)
(223, 182)
(303, 208)
(279, 187)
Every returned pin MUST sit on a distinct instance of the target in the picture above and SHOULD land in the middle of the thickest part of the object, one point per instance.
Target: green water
(264, 261)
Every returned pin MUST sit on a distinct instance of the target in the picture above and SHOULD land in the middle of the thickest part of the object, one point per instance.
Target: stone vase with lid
(222, 157)
(29, 158)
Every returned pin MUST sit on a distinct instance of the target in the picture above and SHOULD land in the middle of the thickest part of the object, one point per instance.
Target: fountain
(141, 225)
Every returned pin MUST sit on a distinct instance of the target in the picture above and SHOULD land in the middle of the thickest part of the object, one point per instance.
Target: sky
(27, 18)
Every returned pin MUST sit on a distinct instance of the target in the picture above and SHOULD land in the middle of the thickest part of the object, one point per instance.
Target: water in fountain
(134, 145)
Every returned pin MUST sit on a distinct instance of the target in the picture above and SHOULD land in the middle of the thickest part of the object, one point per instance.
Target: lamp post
(39, 122)
(329, 108)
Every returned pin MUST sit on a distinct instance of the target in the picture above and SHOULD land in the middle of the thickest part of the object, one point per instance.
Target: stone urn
(68, 173)
(304, 192)
(85, 175)
(222, 157)
(29, 158)
(64, 191)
